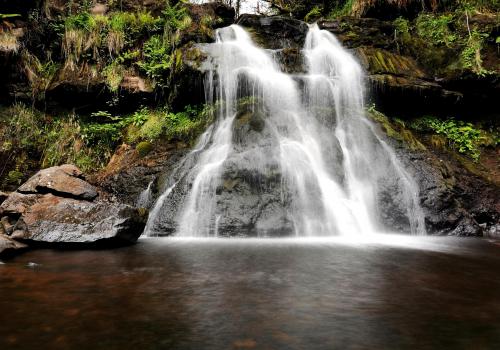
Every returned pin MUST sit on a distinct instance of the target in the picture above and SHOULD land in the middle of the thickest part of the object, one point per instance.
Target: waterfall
(287, 154)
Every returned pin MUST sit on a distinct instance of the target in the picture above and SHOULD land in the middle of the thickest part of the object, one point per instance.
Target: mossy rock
(144, 148)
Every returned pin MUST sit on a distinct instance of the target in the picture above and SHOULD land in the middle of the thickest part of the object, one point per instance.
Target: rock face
(65, 180)
(275, 32)
(9, 245)
(57, 206)
(455, 201)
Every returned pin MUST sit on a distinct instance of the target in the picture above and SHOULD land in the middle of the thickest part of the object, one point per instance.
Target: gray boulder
(58, 206)
(65, 180)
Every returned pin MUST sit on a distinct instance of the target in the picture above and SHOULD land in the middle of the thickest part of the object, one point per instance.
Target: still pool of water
(394, 293)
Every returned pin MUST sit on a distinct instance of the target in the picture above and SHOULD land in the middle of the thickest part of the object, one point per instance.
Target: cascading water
(287, 154)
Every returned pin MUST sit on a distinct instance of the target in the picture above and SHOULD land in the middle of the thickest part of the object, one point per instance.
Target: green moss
(396, 129)
(436, 29)
(314, 14)
(341, 9)
(471, 54)
(144, 148)
(114, 76)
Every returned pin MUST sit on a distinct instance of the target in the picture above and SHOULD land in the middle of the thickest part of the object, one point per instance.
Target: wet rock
(5, 225)
(455, 201)
(65, 180)
(291, 60)
(9, 246)
(397, 80)
(355, 32)
(127, 174)
(136, 84)
(51, 219)
(275, 32)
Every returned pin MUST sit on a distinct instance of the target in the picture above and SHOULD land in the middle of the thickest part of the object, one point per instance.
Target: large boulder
(65, 181)
(51, 219)
(57, 206)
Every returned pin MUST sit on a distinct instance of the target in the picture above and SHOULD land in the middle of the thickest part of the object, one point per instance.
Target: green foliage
(402, 25)
(14, 177)
(83, 21)
(176, 17)
(23, 129)
(154, 127)
(114, 75)
(157, 59)
(151, 125)
(436, 29)
(42, 141)
(140, 117)
(402, 28)
(471, 54)
(103, 134)
(461, 136)
(8, 15)
(134, 23)
(314, 14)
(341, 9)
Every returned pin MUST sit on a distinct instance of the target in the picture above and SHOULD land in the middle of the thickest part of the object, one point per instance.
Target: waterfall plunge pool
(399, 292)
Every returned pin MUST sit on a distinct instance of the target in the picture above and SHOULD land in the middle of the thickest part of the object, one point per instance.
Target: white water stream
(333, 167)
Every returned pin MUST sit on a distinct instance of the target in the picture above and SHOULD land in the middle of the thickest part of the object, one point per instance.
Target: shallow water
(395, 293)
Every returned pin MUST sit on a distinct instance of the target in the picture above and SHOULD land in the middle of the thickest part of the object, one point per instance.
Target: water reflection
(261, 294)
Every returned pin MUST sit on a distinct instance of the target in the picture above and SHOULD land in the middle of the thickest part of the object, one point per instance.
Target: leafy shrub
(151, 125)
(43, 141)
(114, 76)
(82, 20)
(471, 54)
(436, 29)
(461, 136)
(176, 17)
(314, 14)
(341, 9)
(157, 59)
(14, 177)
(140, 117)
(402, 28)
